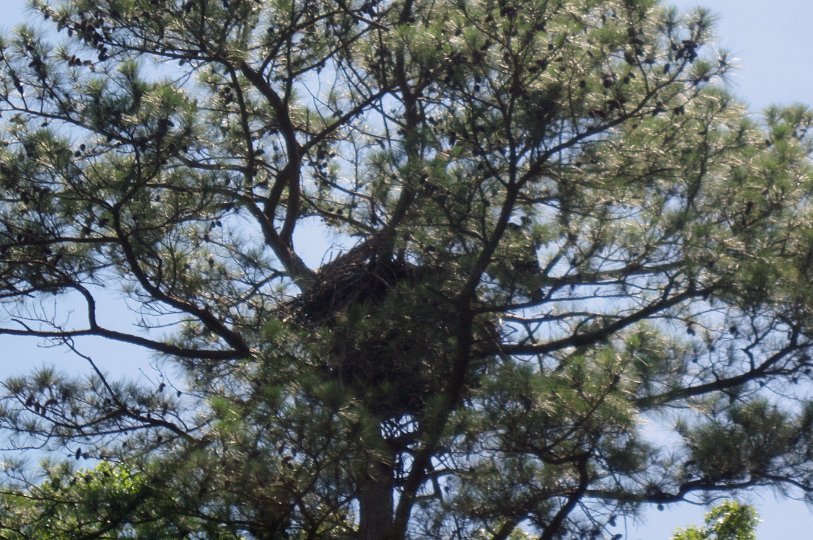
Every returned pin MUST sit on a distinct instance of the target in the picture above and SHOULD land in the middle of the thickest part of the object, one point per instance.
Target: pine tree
(558, 229)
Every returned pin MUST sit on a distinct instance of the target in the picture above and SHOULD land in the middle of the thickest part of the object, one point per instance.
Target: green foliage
(108, 501)
(727, 521)
(412, 269)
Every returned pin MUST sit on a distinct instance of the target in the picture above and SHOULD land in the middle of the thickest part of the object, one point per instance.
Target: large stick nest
(391, 329)
(360, 276)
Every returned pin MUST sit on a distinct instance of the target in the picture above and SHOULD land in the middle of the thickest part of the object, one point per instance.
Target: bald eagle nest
(390, 329)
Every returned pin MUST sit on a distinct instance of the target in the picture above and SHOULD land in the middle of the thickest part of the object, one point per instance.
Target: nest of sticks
(390, 330)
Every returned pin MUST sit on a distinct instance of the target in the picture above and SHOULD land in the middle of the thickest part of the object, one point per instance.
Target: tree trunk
(375, 501)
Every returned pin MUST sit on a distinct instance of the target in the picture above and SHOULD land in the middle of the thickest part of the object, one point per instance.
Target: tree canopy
(448, 269)
(729, 520)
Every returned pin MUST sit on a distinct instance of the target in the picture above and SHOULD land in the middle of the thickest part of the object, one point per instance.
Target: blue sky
(774, 45)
